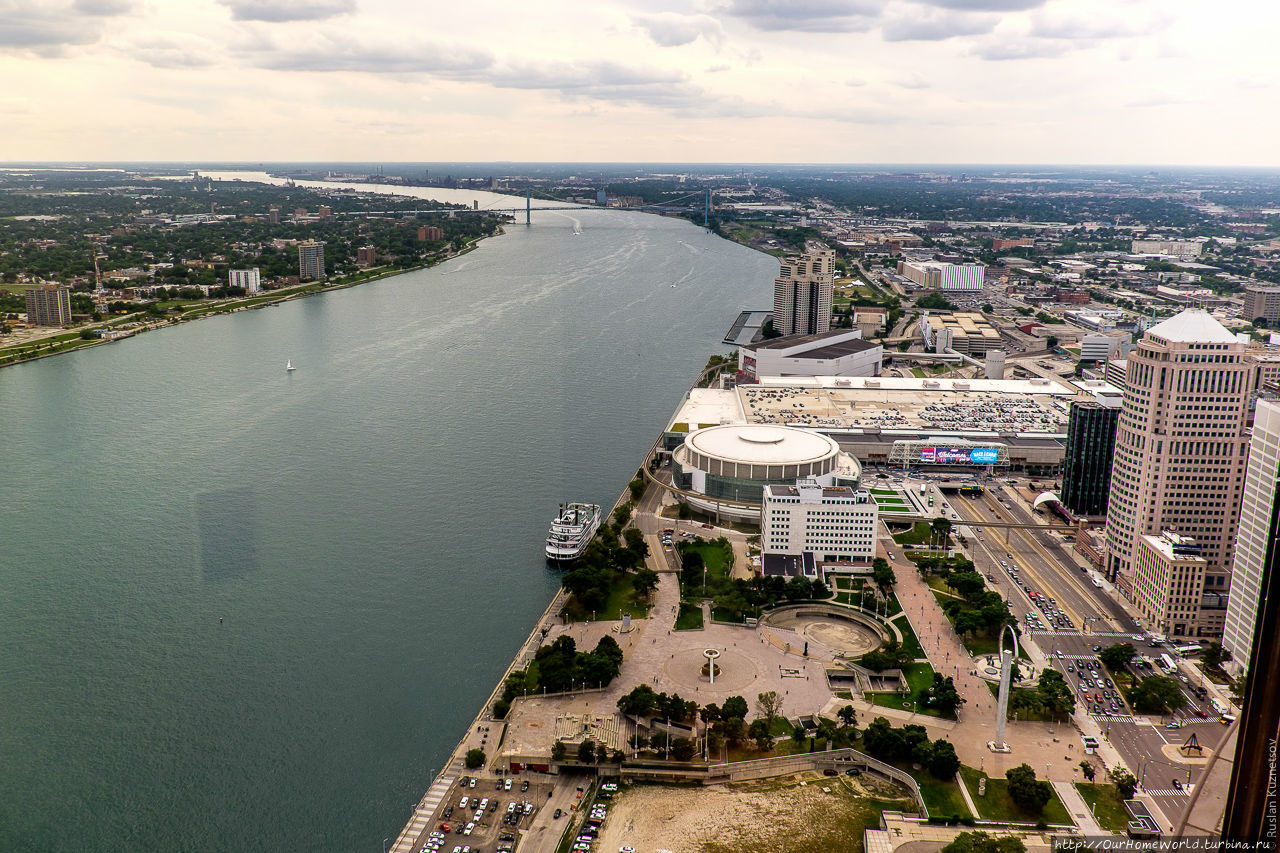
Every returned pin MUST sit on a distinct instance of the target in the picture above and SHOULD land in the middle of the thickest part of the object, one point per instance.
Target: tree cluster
(559, 666)
(1026, 790)
(602, 564)
(1158, 694)
(981, 842)
(910, 743)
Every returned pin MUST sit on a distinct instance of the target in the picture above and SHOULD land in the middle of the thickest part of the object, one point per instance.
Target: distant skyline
(1159, 82)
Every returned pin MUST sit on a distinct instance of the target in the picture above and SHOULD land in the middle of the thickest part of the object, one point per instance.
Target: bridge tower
(706, 211)
(528, 206)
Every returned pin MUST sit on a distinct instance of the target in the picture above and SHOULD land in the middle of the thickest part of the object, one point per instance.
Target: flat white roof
(1035, 386)
(757, 444)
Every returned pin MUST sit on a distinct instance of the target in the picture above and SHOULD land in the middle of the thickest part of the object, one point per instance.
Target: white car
(466, 830)
(507, 784)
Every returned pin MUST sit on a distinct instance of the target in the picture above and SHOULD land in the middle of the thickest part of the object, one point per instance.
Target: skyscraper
(1253, 535)
(250, 280)
(1086, 464)
(1181, 445)
(311, 259)
(802, 293)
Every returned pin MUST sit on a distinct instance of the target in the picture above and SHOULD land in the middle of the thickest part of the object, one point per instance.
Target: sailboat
(288, 366)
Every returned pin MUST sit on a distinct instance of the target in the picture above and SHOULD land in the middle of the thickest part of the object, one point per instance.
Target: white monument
(1007, 658)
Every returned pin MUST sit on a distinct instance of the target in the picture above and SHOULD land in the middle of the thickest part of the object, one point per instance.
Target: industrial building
(837, 353)
(1183, 249)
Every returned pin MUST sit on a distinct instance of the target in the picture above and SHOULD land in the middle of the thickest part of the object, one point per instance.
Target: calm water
(242, 609)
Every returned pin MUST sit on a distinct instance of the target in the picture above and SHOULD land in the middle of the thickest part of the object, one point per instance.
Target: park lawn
(942, 797)
(622, 599)
(918, 372)
(919, 677)
(714, 557)
(690, 618)
(910, 643)
(1108, 809)
(884, 491)
(920, 534)
(996, 805)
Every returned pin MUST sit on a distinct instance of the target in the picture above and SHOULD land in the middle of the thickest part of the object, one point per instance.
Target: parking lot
(484, 814)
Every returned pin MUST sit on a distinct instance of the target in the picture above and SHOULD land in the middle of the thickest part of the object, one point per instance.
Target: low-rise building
(1168, 584)
(967, 333)
(1184, 249)
(938, 275)
(838, 353)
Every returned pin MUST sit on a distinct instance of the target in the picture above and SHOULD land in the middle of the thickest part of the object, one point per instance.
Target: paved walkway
(1078, 808)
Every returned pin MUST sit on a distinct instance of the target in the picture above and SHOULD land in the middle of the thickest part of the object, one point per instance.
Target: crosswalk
(1114, 718)
(1167, 792)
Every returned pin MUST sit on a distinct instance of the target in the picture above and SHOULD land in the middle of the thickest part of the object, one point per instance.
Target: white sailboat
(288, 366)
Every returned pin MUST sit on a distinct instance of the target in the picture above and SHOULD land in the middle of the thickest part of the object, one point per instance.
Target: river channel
(246, 609)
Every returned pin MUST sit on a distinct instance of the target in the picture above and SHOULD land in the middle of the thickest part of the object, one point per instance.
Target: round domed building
(736, 462)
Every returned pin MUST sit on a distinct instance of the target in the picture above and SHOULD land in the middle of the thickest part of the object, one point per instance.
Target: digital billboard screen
(958, 455)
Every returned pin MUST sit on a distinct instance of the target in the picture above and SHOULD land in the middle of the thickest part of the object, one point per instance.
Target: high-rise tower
(802, 293)
(1181, 445)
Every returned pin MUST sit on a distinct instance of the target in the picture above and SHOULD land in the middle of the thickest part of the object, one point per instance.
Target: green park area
(919, 678)
(1013, 801)
(689, 617)
(1106, 804)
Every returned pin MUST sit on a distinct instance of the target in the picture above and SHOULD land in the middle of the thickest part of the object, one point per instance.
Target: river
(245, 609)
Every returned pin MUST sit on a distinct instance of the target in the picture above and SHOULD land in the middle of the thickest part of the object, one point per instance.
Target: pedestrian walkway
(422, 814)
(1080, 812)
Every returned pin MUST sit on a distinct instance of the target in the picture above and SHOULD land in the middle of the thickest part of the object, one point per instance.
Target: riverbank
(131, 325)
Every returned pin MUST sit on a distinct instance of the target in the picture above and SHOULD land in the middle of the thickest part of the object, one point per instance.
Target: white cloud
(671, 30)
(277, 11)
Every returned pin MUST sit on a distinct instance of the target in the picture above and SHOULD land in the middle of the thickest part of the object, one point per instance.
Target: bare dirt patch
(799, 814)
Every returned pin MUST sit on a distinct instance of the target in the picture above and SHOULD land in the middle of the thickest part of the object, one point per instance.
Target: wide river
(245, 609)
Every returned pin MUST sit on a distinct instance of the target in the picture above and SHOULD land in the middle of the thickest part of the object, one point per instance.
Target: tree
(587, 751)
(616, 758)
(797, 735)
(1214, 655)
(622, 513)
(760, 732)
(644, 582)
(1027, 791)
(734, 706)
(941, 529)
(769, 704)
(1126, 784)
(1117, 656)
(941, 695)
(981, 842)
(848, 717)
(639, 702)
(943, 762)
(1088, 770)
(1051, 342)
(987, 309)
(1055, 694)
(558, 750)
(475, 758)
(1157, 695)
(683, 749)
(711, 713)
(883, 574)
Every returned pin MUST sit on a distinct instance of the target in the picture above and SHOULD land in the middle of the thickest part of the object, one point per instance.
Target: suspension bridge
(529, 207)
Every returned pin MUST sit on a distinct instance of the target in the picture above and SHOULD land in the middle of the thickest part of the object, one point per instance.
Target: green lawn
(996, 805)
(690, 617)
(919, 676)
(717, 561)
(910, 643)
(884, 491)
(622, 599)
(920, 534)
(941, 797)
(1108, 808)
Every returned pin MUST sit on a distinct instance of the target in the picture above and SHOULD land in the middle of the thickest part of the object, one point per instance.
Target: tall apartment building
(938, 275)
(830, 524)
(1253, 534)
(429, 233)
(49, 305)
(1181, 446)
(1261, 301)
(1184, 249)
(802, 293)
(1086, 463)
(311, 259)
(248, 280)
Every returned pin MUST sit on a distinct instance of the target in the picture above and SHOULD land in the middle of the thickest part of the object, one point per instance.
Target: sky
(1187, 82)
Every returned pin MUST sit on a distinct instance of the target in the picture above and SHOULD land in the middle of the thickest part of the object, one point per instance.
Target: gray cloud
(276, 11)
(325, 54)
(810, 16)
(671, 30)
(935, 26)
(164, 52)
(47, 31)
(987, 5)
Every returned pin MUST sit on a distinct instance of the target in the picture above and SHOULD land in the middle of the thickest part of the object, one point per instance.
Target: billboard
(959, 455)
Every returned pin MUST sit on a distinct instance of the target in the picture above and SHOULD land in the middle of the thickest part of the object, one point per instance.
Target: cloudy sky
(809, 81)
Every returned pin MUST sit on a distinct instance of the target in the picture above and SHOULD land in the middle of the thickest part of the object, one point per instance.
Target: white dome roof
(761, 444)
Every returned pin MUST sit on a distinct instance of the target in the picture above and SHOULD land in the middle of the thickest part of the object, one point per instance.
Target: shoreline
(248, 303)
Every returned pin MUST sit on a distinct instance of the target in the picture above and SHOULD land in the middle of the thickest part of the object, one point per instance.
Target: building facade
(367, 256)
(430, 233)
(833, 524)
(1254, 534)
(939, 275)
(1086, 463)
(49, 305)
(1168, 577)
(250, 280)
(1261, 301)
(1184, 249)
(1181, 446)
(837, 353)
(311, 260)
(803, 292)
